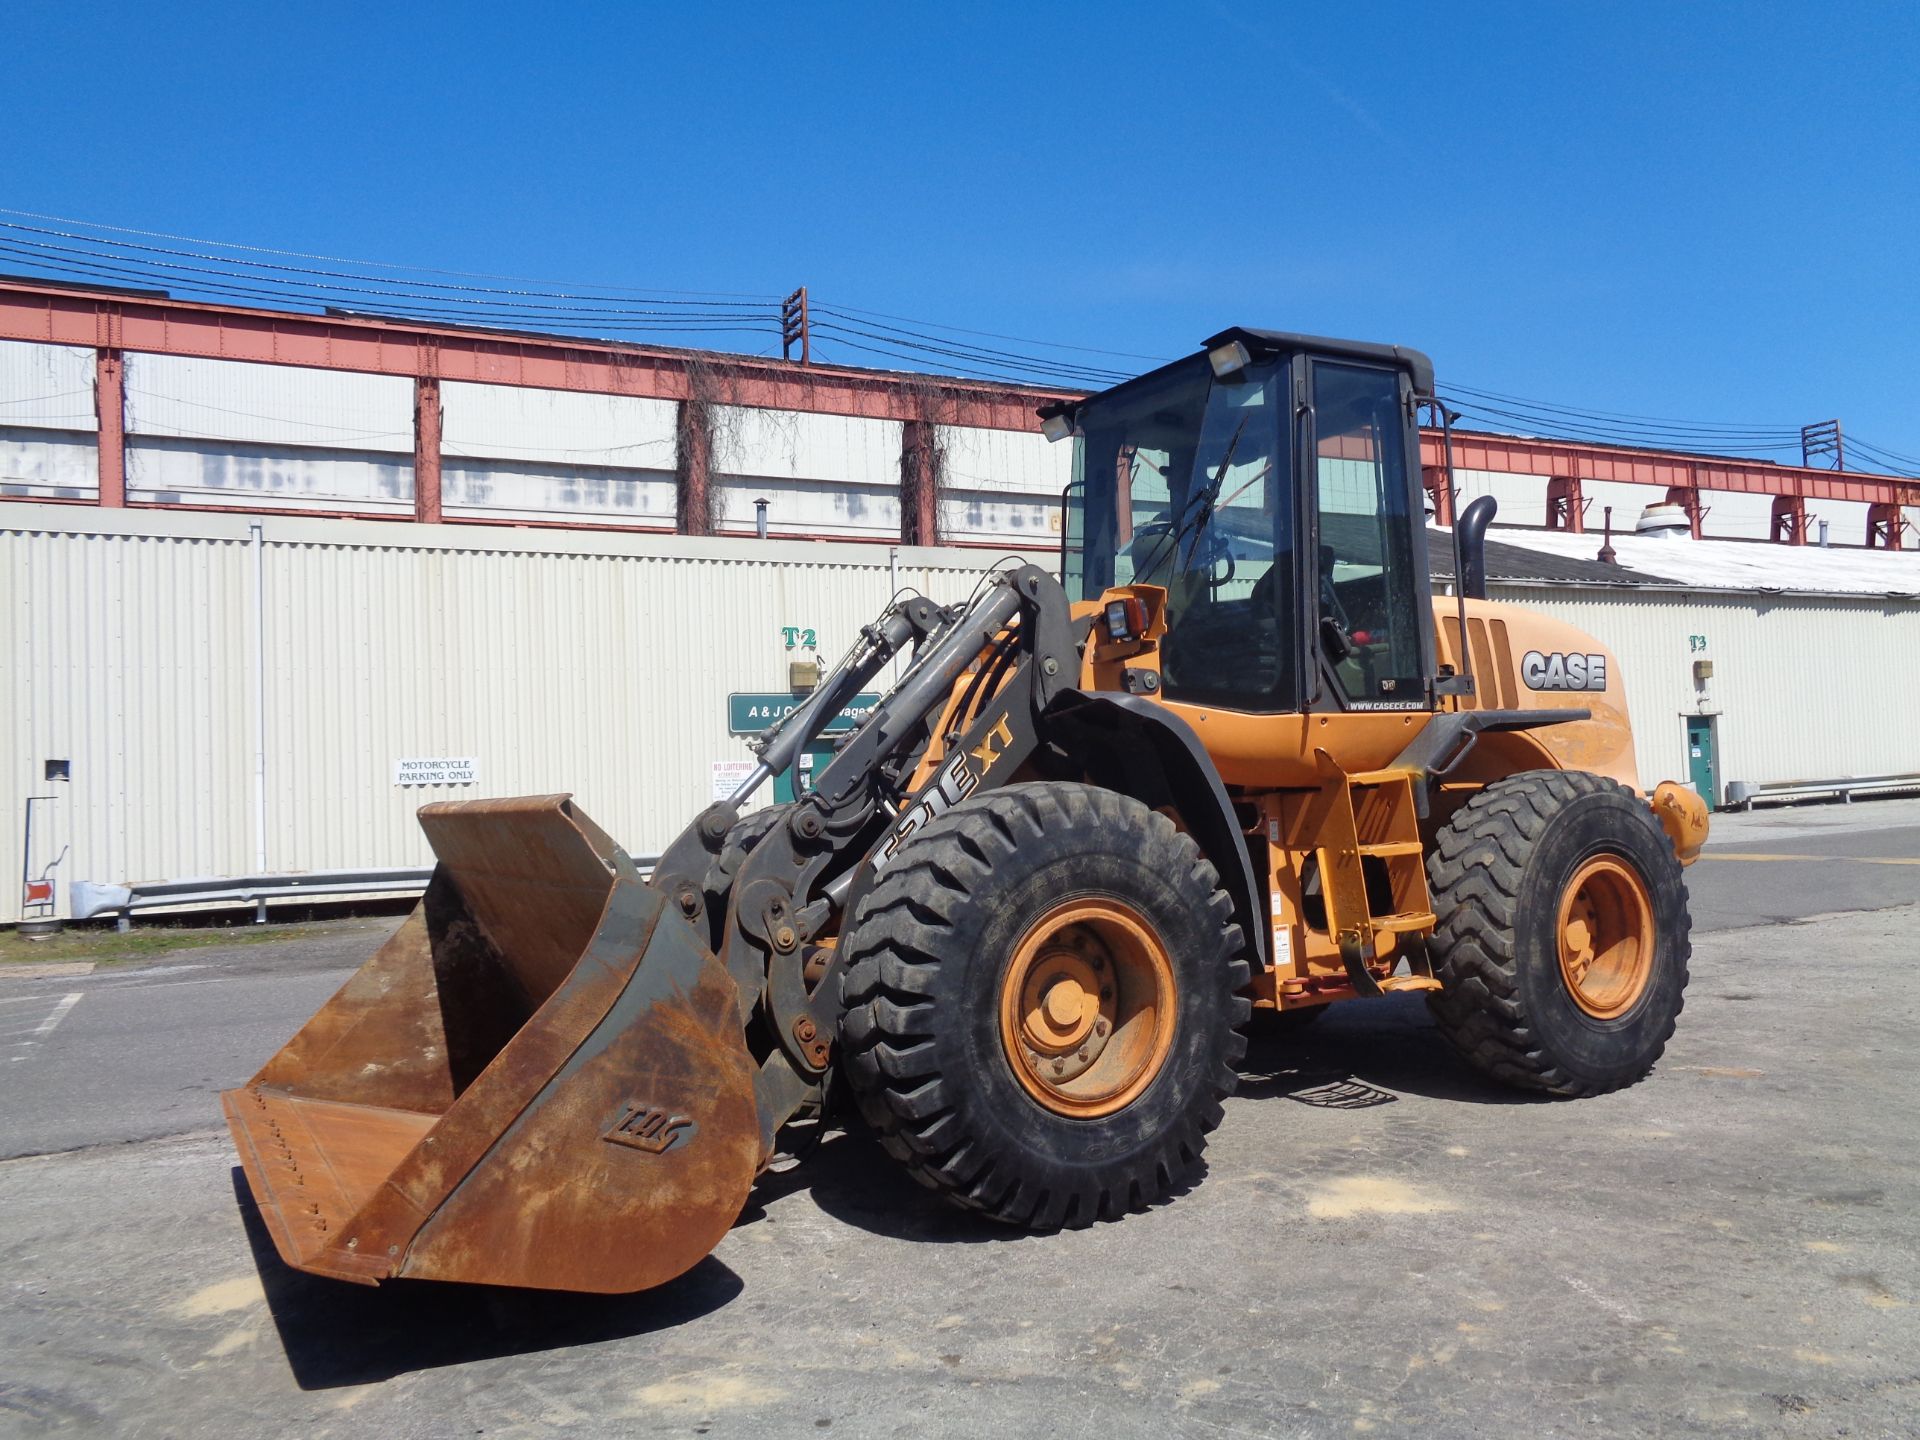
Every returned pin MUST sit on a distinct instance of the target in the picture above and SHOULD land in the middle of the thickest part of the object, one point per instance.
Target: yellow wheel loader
(1237, 755)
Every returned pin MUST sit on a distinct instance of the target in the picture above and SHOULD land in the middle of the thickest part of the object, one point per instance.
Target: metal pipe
(760, 517)
(91, 898)
(744, 791)
(259, 687)
(1470, 535)
(1459, 563)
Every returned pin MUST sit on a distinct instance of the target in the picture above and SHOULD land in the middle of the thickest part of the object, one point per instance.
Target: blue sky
(1698, 211)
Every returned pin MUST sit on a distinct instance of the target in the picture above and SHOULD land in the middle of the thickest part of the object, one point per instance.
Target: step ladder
(1371, 814)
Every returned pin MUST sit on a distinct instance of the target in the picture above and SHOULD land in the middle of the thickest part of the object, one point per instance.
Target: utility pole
(1819, 441)
(795, 328)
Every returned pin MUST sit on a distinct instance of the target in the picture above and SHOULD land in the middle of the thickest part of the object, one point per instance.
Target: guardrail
(91, 899)
(1744, 792)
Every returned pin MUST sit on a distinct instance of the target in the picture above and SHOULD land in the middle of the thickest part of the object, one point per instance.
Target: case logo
(649, 1128)
(1563, 672)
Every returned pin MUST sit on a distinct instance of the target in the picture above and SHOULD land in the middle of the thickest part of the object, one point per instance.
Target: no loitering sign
(436, 772)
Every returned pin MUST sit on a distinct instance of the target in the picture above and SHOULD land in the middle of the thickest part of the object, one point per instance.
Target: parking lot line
(47, 1026)
(1826, 859)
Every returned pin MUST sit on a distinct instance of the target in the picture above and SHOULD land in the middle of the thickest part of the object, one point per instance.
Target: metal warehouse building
(270, 581)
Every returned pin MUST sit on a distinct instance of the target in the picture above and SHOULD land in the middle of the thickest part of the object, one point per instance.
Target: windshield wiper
(1201, 505)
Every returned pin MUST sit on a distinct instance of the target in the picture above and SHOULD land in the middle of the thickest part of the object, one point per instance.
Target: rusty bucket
(540, 1080)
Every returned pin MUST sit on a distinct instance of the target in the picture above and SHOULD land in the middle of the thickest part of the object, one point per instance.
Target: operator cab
(1281, 596)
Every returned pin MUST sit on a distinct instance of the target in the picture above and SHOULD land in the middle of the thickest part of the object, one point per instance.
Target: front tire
(1042, 1005)
(1563, 937)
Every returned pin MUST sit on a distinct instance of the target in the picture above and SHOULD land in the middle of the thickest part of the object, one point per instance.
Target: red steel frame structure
(113, 323)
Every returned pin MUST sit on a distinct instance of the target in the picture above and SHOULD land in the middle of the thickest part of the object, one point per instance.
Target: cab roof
(1414, 362)
(1269, 342)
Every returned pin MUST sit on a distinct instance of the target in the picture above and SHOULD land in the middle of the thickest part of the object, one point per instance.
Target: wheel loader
(1237, 755)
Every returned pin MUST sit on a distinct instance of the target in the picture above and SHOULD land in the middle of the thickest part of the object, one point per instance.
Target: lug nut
(804, 1031)
(784, 938)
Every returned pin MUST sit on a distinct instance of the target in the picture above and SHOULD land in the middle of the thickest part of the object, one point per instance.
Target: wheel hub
(1067, 1004)
(1087, 1007)
(1606, 937)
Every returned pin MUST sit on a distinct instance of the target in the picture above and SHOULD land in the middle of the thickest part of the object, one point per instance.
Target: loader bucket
(540, 1080)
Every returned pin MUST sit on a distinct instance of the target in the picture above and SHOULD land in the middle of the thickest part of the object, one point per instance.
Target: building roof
(1511, 561)
(1749, 566)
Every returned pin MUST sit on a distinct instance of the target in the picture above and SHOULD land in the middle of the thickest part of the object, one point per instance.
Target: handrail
(91, 898)
(1744, 792)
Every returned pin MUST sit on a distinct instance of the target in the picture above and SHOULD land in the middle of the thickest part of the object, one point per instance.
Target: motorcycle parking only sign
(436, 772)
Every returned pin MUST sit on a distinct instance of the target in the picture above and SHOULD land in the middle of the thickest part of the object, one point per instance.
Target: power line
(395, 303)
(1656, 420)
(642, 311)
(307, 272)
(1545, 427)
(987, 359)
(340, 260)
(995, 335)
(918, 338)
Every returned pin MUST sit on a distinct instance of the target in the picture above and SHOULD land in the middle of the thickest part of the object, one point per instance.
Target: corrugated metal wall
(593, 662)
(1003, 486)
(47, 387)
(125, 652)
(1802, 687)
(225, 432)
(821, 474)
(47, 422)
(513, 452)
(600, 663)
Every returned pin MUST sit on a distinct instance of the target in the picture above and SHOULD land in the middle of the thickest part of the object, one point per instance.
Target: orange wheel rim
(1606, 937)
(1087, 1008)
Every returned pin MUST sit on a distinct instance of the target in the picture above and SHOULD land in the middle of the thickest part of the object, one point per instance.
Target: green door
(1702, 768)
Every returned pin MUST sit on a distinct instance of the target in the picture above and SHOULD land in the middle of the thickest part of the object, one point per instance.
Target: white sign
(729, 775)
(436, 772)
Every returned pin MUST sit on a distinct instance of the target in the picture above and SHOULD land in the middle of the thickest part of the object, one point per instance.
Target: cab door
(1367, 589)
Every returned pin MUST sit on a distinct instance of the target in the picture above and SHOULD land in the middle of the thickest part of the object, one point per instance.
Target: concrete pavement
(1384, 1246)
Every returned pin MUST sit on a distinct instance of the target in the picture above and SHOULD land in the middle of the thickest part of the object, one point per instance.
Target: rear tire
(1563, 937)
(1042, 1010)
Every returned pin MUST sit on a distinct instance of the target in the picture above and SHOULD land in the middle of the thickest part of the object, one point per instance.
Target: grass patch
(107, 946)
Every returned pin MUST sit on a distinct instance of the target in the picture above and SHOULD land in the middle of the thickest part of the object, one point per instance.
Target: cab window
(1367, 584)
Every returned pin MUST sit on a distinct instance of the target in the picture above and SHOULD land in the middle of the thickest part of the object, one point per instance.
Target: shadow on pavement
(852, 1179)
(1362, 1054)
(337, 1334)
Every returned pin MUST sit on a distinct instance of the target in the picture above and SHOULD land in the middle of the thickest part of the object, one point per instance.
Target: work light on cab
(1126, 618)
(1229, 359)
